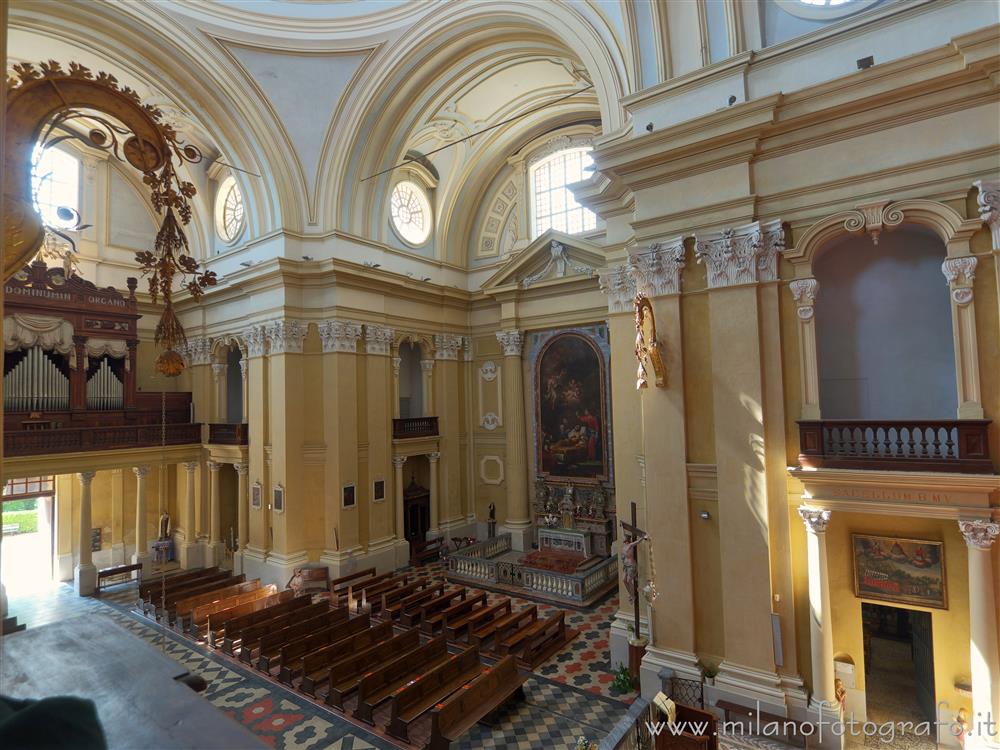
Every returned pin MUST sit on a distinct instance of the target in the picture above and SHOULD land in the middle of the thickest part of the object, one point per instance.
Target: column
(396, 362)
(426, 383)
(190, 550)
(242, 506)
(447, 394)
(85, 574)
(397, 464)
(960, 273)
(219, 384)
(518, 524)
(432, 458)
(215, 550)
(804, 293)
(820, 616)
(339, 339)
(287, 408)
(980, 535)
(245, 417)
(141, 556)
(381, 541)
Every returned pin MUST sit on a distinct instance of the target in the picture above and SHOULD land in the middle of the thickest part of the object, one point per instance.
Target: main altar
(572, 562)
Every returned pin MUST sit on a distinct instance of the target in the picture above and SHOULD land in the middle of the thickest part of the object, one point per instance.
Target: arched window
(55, 184)
(553, 205)
(229, 213)
(824, 10)
(410, 211)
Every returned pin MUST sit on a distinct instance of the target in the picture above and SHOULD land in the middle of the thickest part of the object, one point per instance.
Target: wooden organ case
(70, 369)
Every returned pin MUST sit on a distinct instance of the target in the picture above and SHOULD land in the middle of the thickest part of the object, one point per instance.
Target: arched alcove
(411, 402)
(884, 327)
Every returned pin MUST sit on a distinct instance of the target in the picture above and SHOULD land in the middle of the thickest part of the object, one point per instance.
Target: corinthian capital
(656, 271)
(741, 255)
(256, 338)
(619, 285)
(446, 346)
(804, 292)
(989, 207)
(979, 534)
(511, 341)
(378, 339)
(815, 519)
(286, 336)
(340, 336)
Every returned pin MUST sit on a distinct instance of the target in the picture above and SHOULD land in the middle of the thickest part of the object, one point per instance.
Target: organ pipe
(36, 384)
(104, 389)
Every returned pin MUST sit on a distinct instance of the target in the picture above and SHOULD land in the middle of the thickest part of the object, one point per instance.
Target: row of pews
(399, 651)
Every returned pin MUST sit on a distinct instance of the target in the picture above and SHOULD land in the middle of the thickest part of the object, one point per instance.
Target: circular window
(411, 212)
(229, 212)
(824, 10)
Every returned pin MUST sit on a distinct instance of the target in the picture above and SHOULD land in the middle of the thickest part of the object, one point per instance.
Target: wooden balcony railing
(77, 439)
(228, 434)
(415, 427)
(952, 445)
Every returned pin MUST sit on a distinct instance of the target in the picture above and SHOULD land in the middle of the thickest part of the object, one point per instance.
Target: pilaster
(378, 392)
(517, 522)
(960, 273)
(258, 426)
(447, 389)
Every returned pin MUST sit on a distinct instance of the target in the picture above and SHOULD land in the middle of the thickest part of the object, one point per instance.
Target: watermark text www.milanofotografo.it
(832, 723)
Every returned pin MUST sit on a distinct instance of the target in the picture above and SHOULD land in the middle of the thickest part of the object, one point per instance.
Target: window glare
(55, 182)
(555, 206)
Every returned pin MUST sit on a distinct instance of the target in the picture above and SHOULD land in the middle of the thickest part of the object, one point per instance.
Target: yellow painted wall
(950, 628)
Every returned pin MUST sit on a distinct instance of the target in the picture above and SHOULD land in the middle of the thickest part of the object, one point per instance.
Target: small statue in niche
(164, 526)
(541, 496)
(599, 502)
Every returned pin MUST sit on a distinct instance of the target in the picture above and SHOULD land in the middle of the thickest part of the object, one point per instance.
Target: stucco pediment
(550, 256)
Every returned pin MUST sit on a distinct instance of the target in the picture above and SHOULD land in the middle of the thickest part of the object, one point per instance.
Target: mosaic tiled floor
(555, 713)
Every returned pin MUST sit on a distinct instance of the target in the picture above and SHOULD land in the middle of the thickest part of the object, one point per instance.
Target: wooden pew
(151, 587)
(167, 590)
(269, 646)
(430, 622)
(309, 580)
(793, 732)
(344, 675)
(409, 702)
(381, 683)
(374, 587)
(315, 665)
(538, 641)
(182, 608)
(201, 586)
(248, 635)
(454, 628)
(219, 622)
(496, 629)
(118, 574)
(432, 606)
(387, 598)
(413, 601)
(483, 695)
(339, 586)
(199, 615)
(423, 552)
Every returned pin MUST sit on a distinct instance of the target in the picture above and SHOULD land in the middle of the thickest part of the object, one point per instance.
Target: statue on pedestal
(491, 522)
(567, 509)
(164, 526)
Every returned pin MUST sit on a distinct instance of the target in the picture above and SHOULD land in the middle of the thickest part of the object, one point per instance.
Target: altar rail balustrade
(949, 445)
(414, 427)
(228, 434)
(632, 731)
(75, 440)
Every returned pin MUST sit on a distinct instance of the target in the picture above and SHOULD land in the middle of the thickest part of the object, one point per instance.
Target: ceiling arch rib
(428, 54)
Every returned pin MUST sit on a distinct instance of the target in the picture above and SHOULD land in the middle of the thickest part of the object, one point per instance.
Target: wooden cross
(635, 535)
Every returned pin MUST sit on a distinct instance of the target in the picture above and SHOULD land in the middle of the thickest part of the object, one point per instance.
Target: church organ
(70, 364)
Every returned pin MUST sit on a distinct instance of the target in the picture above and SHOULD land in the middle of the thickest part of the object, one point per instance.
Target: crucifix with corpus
(630, 565)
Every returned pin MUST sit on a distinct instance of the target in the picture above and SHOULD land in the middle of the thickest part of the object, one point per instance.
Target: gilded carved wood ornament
(46, 105)
(647, 348)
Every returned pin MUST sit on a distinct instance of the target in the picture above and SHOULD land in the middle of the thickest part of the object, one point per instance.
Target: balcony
(228, 434)
(38, 442)
(415, 427)
(955, 445)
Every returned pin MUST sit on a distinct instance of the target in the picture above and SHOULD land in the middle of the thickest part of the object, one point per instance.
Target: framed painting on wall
(378, 490)
(349, 500)
(255, 496)
(904, 571)
(279, 499)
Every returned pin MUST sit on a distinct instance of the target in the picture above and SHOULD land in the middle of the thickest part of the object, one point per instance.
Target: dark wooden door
(923, 662)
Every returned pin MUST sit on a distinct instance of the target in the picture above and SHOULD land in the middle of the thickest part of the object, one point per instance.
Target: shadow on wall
(883, 328)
